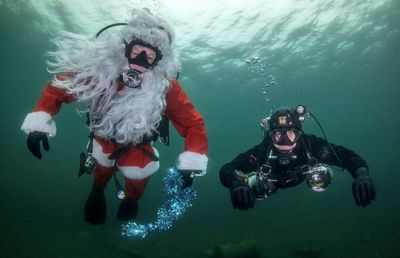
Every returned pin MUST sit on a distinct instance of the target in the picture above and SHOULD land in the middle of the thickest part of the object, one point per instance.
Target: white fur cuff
(40, 122)
(189, 160)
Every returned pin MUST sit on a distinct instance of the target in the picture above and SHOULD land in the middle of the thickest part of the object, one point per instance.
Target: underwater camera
(318, 177)
(261, 182)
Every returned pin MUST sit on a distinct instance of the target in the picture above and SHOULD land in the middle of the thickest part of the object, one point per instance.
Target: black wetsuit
(290, 175)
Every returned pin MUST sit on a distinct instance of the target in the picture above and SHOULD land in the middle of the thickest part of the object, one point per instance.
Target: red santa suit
(136, 164)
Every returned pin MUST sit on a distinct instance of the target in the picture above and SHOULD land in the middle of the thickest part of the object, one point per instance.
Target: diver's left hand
(33, 143)
(188, 176)
(364, 191)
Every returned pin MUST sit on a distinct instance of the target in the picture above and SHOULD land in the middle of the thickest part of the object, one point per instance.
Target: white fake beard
(133, 113)
(125, 116)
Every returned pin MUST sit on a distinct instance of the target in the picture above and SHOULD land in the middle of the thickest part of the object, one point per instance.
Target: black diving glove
(364, 190)
(242, 195)
(188, 176)
(33, 143)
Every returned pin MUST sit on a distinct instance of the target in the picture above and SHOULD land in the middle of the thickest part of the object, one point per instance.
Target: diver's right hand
(242, 195)
(33, 143)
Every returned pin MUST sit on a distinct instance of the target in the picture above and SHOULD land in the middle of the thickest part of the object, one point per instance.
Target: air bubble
(258, 67)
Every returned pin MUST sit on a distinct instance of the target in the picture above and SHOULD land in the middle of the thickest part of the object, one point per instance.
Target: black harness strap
(121, 150)
(151, 155)
(263, 155)
(163, 130)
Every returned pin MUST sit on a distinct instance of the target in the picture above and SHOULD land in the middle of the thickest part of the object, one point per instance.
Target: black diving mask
(285, 136)
(132, 78)
(142, 59)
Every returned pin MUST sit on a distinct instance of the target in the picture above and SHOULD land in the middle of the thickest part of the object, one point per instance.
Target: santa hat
(150, 29)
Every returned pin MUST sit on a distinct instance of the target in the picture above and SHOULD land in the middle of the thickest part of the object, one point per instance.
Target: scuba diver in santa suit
(123, 79)
(287, 157)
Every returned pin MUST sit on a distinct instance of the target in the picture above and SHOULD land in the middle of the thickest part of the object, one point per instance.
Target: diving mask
(285, 136)
(147, 56)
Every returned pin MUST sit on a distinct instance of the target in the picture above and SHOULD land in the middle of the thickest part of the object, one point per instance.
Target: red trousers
(136, 165)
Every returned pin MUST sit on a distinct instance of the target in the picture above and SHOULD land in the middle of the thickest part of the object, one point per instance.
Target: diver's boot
(95, 207)
(128, 209)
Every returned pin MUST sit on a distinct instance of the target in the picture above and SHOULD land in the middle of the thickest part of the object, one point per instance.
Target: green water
(346, 71)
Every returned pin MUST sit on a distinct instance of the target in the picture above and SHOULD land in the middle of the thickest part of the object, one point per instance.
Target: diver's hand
(242, 195)
(188, 176)
(33, 143)
(364, 191)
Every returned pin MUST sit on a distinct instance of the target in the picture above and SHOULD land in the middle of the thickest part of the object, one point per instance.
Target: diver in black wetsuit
(286, 157)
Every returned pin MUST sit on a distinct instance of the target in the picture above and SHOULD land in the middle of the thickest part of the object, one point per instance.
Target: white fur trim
(39, 121)
(137, 173)
(131, 172)
(134, 172)
(100, 156)
(189, 160)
